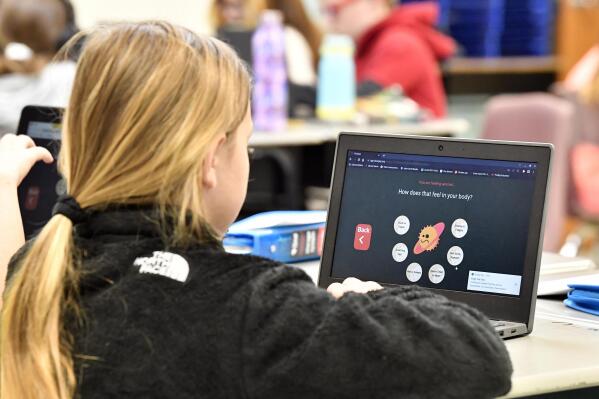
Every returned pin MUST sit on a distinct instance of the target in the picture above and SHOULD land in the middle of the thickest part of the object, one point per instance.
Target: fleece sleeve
(299, 342)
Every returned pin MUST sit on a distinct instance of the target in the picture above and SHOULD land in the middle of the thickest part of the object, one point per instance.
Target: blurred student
(583, 78)
(302, 36)
(301, 30)
(127, 291)
(396, 45)
(237, 13)
(581, 85)
(32, 32)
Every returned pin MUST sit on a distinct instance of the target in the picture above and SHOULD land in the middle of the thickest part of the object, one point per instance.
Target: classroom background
(521, 70)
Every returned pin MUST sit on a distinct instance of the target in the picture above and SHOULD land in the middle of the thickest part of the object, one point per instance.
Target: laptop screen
(449, 223)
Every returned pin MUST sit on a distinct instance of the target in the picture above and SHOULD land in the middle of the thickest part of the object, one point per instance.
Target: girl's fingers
(373, 286)
(39, 154)
(336, 289)
(25, 141)
(352, 284)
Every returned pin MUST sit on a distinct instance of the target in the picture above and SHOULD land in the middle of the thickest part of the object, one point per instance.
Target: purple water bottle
(270, 73)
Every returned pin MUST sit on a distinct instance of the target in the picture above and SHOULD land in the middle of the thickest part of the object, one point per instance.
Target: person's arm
(17, 155)
(298, 58)
(300, 342)
(11, 232)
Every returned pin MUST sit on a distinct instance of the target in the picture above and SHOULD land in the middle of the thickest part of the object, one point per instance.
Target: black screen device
(40, 189)
(461, 217)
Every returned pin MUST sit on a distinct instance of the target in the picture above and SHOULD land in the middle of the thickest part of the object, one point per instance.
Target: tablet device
(42, 186)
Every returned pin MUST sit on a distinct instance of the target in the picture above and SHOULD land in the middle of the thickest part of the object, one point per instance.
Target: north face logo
(164, 264)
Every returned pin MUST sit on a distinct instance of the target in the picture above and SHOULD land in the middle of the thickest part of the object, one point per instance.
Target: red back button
(362, 237)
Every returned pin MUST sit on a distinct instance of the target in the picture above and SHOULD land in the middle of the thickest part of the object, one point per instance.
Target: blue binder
(283, 236)
(584, 298)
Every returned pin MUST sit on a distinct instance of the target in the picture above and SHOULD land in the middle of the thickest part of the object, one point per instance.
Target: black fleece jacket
(200, 323)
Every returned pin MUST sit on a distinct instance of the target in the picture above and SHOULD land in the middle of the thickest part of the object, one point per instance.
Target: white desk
(301, 133)
(561, 354)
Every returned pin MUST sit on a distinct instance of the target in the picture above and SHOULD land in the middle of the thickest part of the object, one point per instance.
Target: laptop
(240, 40)
(463, 218)
(40, 189)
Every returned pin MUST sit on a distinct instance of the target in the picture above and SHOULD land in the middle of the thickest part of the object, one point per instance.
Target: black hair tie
(70, 208)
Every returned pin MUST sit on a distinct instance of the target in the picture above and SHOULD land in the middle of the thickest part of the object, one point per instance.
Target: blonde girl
(127, 291)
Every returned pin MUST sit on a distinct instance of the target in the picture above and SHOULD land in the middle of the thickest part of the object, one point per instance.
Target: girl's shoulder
(180, 271)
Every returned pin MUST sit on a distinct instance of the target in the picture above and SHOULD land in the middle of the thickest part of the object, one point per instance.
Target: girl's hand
(352, 284)
(18, 154)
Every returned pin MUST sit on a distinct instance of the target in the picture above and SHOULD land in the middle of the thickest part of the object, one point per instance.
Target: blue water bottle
(336, 93)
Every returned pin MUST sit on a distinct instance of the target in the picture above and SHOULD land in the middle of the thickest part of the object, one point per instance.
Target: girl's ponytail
(35, 349)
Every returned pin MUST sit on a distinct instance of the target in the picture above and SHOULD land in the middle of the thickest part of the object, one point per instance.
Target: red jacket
(405, 48)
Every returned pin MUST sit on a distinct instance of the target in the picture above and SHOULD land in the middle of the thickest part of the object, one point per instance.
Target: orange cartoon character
(428, 239)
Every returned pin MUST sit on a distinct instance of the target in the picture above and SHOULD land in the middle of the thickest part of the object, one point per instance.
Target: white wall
(193, 14)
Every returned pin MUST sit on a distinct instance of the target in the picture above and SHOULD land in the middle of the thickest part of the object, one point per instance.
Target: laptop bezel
(520, 309)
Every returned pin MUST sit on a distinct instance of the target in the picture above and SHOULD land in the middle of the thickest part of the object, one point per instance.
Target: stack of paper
(557, 272)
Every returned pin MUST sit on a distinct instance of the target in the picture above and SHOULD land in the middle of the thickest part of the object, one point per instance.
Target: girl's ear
(211, 163)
